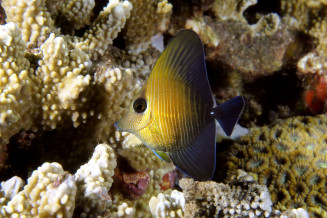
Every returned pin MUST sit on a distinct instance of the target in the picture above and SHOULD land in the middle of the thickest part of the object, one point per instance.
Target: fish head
(138, 116)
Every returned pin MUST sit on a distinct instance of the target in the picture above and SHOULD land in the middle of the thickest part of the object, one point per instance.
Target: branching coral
(61, 83)
(17, 83)
(94, 180)
(10, 188)
(79, 13)
(62, 73)
(31, 17)
(75, 86)
(297, 166)
(50, 192)
(166, 205)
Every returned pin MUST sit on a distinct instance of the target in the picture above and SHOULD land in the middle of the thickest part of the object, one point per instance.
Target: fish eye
(139, 105)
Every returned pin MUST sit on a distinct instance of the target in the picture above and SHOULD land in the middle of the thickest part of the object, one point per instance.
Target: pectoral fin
(162, 155)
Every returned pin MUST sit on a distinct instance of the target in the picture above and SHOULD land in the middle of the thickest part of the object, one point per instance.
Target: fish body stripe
(177, 115)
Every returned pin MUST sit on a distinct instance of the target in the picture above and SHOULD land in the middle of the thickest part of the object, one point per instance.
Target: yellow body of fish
(174, 114)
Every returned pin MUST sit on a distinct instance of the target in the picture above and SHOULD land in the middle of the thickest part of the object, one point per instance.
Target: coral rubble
(211, 199)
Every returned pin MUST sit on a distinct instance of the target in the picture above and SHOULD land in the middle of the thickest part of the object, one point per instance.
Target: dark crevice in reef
(262, 7)
(280, 88)
(217, 75)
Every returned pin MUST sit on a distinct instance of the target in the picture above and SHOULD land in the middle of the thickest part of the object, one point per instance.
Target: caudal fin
(229, 113)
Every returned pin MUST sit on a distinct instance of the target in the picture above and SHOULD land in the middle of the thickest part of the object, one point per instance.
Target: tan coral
(32, 18)
(142, 158)
(17, 84)
(230, 39)
(104, 29)
(50, 192)
(9, 189)
(78, 12)
(147, 18)
(63, 75)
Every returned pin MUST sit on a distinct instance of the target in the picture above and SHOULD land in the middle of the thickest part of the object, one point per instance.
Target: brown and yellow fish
(175, 113)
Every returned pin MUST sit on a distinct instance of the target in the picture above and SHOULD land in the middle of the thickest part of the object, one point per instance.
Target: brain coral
(290, 158)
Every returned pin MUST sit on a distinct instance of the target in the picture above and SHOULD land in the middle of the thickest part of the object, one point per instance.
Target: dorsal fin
(183, 60)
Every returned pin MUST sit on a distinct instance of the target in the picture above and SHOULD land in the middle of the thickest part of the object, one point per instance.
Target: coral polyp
(296, 173)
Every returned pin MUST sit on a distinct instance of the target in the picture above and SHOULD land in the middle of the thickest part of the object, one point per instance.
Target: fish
(175, 113)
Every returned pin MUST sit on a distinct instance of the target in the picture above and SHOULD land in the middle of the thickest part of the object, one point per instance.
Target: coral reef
(59, 82)
(16, 85)
(50, 192)
(290, 159)
(243, 47)
(308, 17)
(73, 85)
(94, 180)
(300, 212)
(165, 205)
(241, 197)
(68, 69)
(147, 19)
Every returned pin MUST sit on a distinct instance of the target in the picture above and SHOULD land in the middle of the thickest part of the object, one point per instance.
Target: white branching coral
(78, 12)
(63, 77)
(58, 84)
(17, 83)
(10, 188)
(94, 180)
(32, 18)
(166, 205)
(49, 192)
(104, 29)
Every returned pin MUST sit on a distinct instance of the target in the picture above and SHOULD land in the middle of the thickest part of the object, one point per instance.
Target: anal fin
(198, 159)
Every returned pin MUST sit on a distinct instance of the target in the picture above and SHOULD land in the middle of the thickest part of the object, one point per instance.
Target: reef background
(69, 68)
